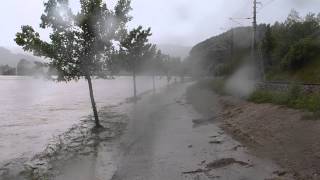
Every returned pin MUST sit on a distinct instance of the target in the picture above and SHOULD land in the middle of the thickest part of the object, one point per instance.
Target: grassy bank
(294, 98)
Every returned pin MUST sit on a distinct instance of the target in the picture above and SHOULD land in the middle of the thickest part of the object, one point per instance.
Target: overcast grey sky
(182, 22)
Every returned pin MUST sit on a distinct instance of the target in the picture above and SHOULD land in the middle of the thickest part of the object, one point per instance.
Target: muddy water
(32, 111)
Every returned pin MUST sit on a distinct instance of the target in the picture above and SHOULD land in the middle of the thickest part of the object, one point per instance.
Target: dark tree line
(7, 70)
(25, 68)
(292, 44)
(28, 68)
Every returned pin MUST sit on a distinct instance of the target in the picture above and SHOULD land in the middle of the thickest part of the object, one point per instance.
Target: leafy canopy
(136, 48)
(292, 44)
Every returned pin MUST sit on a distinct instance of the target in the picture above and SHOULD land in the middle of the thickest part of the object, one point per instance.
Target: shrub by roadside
(292, 99)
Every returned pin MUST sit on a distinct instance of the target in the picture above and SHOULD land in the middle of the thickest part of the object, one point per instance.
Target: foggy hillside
(175, 50)
(223, 53)
(10, 58)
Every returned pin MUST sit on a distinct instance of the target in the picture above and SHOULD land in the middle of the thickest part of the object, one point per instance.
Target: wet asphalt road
(162, 143)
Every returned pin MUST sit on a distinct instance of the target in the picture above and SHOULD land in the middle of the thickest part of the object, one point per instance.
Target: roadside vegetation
(291, 53)
(295, 98)
(291, 50)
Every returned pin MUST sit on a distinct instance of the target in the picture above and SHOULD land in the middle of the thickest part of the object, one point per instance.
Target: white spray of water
(242, 82)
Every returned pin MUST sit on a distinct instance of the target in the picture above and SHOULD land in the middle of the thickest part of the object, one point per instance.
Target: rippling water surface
(33, 110)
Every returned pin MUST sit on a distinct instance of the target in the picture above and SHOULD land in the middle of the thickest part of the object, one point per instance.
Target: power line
(237, 20)
(241, 18)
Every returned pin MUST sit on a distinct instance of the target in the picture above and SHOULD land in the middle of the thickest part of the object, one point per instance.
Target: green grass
(292, 99)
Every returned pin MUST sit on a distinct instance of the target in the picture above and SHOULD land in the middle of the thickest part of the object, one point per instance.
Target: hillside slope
(222, 54)
(175, 50)
(7, 57)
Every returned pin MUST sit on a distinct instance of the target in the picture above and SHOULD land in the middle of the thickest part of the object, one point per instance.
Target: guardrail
(291, 83)
(287, 86)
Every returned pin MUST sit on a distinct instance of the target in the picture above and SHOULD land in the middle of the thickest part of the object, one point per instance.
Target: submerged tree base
(80, 142)
(99, 128)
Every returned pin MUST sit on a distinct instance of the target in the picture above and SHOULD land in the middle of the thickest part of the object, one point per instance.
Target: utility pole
(255, 14)
(254, 35)
(232, 43)
(255, 56)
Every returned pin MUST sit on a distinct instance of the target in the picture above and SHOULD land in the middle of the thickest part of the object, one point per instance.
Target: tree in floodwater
(152, 63)
(175, 67)
(172, 67)
(166, 67)
(79, 43)
(135, 48)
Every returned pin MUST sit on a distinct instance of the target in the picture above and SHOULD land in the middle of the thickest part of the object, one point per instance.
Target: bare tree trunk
(93, 103)
(134, 80)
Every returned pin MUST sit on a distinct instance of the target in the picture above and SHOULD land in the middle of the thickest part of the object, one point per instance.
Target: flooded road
(162, 142)
(163, 137)
(32, 111)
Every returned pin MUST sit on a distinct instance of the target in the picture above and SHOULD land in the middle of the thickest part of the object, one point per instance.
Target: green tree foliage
(300, 53)
(152, 62)
(290, 45)
(80, 44)
(135, 49)
(267, 47)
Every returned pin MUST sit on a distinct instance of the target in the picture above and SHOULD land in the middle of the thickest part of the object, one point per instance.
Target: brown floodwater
(33, 111)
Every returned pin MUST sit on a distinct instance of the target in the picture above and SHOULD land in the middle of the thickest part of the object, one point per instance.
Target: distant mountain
(9, 57)
(174, 50)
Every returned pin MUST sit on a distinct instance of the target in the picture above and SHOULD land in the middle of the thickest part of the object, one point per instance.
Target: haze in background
(177, 22)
